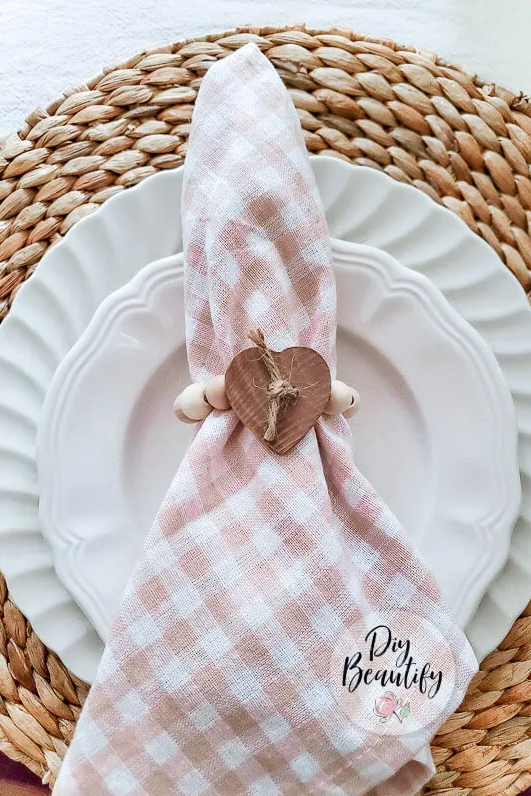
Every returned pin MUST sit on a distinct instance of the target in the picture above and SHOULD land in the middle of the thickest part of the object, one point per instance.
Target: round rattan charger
(369, 101)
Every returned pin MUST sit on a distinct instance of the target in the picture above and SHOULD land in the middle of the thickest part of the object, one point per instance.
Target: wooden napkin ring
(278, 395)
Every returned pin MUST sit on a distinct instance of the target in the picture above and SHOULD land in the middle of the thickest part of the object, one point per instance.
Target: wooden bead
(354, 406)
(215, 393)
(193, 403)
(178, 412)
(340, 398)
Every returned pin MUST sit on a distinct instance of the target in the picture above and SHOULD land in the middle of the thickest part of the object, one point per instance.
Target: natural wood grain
(246, 382)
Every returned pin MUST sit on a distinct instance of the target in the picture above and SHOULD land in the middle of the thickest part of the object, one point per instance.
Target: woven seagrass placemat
(369, 101)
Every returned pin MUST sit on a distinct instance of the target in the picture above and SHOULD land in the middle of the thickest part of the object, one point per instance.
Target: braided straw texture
(372, 102)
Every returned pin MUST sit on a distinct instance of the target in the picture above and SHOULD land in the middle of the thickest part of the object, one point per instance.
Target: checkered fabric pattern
(216, 676)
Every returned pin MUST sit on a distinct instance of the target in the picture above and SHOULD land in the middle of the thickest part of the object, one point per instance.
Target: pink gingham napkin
(219, 674)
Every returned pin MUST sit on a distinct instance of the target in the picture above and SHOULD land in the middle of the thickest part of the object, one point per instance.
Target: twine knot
(280, 388)
(281, 392)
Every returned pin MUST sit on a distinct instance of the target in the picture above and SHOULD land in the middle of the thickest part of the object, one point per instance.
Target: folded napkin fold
(219, 676)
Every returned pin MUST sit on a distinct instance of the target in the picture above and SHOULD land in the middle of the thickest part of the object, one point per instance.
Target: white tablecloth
(49, 45)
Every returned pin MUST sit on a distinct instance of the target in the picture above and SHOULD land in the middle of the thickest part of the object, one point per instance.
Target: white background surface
(49, 45)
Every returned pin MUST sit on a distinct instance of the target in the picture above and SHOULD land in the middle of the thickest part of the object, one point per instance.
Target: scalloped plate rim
(500, 606)
(129, 306)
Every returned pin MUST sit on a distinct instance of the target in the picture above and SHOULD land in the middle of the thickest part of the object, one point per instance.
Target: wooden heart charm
(278, 395)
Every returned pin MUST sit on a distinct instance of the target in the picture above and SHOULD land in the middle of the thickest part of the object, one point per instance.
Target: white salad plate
(436, 436)
(104, 251)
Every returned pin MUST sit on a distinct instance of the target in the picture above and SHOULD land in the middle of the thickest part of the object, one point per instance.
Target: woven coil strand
(369, 101)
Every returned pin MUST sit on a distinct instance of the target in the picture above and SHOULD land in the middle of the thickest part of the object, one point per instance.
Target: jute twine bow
(281, 392)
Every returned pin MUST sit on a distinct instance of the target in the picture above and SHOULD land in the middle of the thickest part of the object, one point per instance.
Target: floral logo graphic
(388, 706)
(393, 673)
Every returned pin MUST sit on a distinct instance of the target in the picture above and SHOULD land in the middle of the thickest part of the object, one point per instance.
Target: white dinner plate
(105, 250)
(436, 435)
